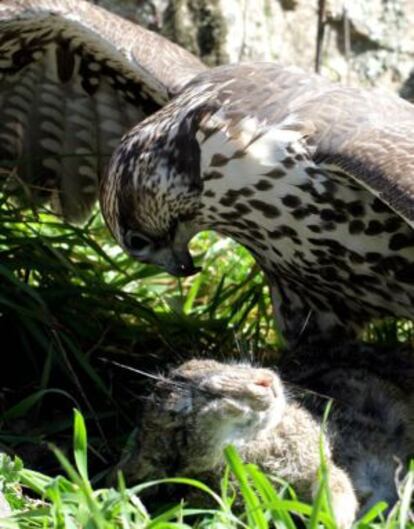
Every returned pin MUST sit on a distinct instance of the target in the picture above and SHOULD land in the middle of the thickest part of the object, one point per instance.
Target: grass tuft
(72, 502)
(70, 297)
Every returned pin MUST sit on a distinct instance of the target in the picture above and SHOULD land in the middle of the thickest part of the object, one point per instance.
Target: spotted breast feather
(314, 178)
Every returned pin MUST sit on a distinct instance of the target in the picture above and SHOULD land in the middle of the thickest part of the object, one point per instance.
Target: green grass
(72, 305)
(70, 299)
(71, 501)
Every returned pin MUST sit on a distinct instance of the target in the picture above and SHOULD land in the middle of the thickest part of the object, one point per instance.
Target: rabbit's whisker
(133, 369)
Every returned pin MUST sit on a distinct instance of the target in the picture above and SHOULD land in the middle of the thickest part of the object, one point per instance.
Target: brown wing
(73, 79)
(369, 135)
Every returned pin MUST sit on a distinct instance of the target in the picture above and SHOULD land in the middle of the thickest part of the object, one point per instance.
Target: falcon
(316, 179)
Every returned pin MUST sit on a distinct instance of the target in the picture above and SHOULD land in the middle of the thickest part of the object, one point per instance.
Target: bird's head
(150, 196)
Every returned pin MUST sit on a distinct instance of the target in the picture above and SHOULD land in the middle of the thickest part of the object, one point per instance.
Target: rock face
(364, 42)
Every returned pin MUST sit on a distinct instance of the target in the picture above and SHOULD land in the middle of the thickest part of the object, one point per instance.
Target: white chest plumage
(332, 250)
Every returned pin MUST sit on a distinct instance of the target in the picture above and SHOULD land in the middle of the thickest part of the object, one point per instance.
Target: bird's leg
(300, 322)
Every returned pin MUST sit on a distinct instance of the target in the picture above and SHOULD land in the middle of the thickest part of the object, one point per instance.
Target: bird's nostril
(263, 379)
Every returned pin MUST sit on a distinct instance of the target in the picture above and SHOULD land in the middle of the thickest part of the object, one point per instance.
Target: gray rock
(369, 43)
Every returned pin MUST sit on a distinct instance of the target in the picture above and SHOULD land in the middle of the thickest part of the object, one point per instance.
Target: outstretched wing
(368, 135)
(73, 79)
(299, 160)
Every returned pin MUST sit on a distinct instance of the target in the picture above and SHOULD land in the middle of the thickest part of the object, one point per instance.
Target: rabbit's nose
(263, 379)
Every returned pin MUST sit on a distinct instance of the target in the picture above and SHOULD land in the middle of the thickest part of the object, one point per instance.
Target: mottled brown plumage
(314, 178)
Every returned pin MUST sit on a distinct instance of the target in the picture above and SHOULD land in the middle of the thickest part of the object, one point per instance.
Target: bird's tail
(73, 79)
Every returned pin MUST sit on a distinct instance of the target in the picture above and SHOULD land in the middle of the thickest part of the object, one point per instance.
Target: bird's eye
(136, 242)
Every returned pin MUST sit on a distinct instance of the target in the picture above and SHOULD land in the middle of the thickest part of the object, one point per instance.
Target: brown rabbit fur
(204, 405)
(383, 376)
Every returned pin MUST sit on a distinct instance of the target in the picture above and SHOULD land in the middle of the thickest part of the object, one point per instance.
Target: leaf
(407, 497)
(80, 445)
(24, 406)
(270, 496)
(253, 507)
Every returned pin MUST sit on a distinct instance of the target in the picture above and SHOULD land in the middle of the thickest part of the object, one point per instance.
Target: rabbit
(204, 405)
(370, 428)
(374, 379)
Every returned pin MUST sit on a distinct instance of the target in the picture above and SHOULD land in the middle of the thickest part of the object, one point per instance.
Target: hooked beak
(173, 256)
(176, 261)
(180, 263)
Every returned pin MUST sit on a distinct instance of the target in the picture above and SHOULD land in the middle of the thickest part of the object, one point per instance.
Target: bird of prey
(314, 178)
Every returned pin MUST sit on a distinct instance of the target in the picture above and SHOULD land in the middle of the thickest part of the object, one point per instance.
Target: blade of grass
(253, 506)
